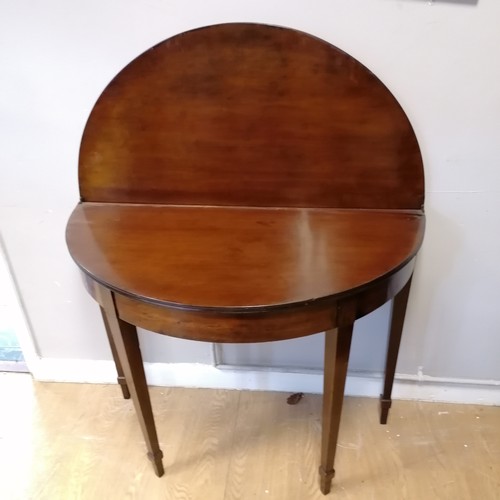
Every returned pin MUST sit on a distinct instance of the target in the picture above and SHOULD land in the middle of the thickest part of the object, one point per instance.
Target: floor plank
(81, 441)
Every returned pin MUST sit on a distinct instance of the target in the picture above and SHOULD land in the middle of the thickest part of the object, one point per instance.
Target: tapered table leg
(398, 312)
(124, 337)
(121, 377)
(337, 347)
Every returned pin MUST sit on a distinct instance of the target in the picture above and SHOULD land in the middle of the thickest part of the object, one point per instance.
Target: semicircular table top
(237, 257)
(250, 115)
(245, 165)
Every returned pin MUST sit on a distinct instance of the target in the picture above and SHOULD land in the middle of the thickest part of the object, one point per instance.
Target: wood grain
(398, 312)
(247, 258)
(248, 114)
(337, 349)
(240, 445)
(126, 341)
(253, 177)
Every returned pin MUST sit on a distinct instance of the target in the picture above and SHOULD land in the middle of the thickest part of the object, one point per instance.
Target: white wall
(441, 61)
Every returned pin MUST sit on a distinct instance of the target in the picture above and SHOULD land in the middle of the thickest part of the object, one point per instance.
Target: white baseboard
(413, 387)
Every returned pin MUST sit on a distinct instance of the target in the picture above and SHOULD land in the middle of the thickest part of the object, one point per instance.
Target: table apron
(261, 326)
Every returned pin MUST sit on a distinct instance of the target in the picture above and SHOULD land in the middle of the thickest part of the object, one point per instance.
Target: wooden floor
(71, 441)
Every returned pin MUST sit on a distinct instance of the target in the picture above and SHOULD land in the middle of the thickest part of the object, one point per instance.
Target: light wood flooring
(79, 441)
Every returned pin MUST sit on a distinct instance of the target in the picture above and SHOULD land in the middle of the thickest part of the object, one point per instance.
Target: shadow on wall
(435, 263)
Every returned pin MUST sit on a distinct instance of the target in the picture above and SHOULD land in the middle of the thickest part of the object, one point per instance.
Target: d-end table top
(208, 257)
(244, 166)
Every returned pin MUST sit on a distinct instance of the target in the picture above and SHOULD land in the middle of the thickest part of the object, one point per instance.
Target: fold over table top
(246, 167)
(238, 257)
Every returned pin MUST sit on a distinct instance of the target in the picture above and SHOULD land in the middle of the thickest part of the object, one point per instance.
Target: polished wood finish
(80, 441)
(121, 375)
(253, 115)
(230, 253)
(247, 183)
(126, 343)
(337, 349)
(398, 313)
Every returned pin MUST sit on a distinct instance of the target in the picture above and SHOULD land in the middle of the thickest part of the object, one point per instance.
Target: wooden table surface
(238, 257)
(243, 183)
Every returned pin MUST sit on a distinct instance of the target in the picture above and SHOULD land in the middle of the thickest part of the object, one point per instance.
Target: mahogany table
(247, 183)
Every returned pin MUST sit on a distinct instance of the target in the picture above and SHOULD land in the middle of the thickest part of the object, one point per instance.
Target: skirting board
(421, 388)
